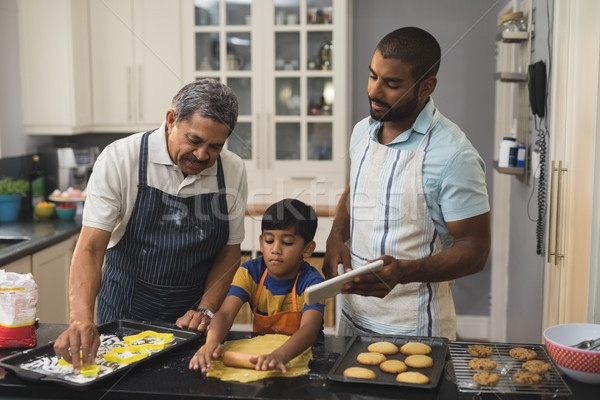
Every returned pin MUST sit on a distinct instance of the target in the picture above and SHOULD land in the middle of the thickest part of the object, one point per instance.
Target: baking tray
(359, 343)
(552, 382)
(41, 364)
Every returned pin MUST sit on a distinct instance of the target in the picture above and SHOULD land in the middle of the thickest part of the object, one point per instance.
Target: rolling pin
(238, 360)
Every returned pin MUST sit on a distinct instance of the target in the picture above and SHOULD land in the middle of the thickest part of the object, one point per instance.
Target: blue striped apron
(157, 271)
(389, 215)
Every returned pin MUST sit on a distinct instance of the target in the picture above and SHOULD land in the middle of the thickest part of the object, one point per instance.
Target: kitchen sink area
(9, 241)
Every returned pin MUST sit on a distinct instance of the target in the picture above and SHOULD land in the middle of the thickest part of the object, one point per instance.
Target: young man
(417, 199)
(274, 286)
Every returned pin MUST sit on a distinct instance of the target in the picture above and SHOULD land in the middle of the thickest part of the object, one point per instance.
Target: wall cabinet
(55, 66)
(136, 62)
(288, 63)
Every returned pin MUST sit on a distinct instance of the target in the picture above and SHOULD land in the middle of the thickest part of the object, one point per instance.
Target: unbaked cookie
(393, 366)
(359, 372)
(412, 377)
(486, 378)
(480, 350)
(370, 358)
(522, 354)
(527, 378)
(482, 363)
(537, 366)
(419, 361)
(415, 348)
(386, 348)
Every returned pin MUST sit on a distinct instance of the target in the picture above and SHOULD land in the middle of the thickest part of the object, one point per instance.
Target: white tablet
(333, 286)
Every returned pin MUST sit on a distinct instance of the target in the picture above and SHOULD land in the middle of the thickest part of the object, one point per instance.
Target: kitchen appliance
(67, 166)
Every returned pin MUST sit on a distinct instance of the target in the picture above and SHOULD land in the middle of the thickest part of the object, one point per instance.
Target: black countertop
(38, 234)
(168, 377)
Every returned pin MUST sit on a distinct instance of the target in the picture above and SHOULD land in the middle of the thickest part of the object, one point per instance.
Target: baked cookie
(537, 366)
(412, 377)
(393, 366)
(482, 363)
(386, 348)
(415, 348)
(419, 361)
(370, 358)
(527, 378)
(359, 372)
(522, 354)
(480, 350)
(486, 378)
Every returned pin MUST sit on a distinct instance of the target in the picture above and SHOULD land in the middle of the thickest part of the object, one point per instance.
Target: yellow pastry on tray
(126, 355)
(150, 340)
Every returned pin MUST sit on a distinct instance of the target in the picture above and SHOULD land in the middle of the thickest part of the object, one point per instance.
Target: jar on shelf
(507, 156)
(513, 22)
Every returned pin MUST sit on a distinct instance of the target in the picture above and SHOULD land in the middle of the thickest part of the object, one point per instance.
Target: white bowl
(581, 365)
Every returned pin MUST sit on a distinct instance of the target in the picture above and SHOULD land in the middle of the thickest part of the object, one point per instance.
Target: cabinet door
(20, 266)
(50, 269)
(55, 66)
(113, 81)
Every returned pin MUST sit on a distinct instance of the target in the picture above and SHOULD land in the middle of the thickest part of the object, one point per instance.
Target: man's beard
(395, 113)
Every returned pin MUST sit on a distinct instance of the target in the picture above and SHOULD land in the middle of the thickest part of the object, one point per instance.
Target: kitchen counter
(38, 235)
(168, 377)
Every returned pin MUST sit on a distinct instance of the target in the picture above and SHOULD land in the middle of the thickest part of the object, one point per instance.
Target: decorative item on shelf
(205, 65)
(11, 193)
(513, 22)
(508, 152)
(234, 62)
(325, 54)
(327, 98)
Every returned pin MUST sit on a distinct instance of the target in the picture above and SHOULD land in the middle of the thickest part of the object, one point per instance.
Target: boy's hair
(291, 212)
(413, 46)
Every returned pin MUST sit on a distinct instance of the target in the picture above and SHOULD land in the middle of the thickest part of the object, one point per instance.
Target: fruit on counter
(45, 204)
(66, 205)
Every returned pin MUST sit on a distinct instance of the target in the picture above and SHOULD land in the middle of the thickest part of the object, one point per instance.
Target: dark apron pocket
(152, 302)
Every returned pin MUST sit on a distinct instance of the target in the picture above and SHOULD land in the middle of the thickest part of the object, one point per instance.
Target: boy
(274, 286)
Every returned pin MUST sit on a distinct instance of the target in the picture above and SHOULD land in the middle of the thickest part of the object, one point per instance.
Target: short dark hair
(413, 46)
(291, 212)
(209, 98)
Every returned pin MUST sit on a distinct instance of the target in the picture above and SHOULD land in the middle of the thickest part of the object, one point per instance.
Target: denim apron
(157, 271)
(389, 215)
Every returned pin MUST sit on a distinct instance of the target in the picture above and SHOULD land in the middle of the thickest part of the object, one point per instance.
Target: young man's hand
(203, 357)
(266, 362)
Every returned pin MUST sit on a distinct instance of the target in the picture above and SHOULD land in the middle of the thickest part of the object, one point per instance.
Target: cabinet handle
(129, 80)
(556, 252)
(550, 253)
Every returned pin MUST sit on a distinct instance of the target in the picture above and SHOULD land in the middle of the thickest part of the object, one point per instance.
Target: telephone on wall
(537, 100)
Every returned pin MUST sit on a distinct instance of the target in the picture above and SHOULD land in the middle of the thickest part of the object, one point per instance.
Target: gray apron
(158, 269)
(390, 216)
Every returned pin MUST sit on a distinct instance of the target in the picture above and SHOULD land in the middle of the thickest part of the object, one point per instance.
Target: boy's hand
(205, 355)
(265, 362)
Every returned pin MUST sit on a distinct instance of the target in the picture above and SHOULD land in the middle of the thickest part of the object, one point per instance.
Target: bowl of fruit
(66, 211)
(44, 210)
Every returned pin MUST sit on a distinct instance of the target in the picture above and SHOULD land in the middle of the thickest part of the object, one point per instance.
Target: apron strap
(142, 170)
(260, 286)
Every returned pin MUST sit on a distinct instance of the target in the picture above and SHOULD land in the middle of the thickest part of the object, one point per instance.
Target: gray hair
(209, 98)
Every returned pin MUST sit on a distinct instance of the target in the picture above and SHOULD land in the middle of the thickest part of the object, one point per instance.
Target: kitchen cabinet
(20, 266)
(571, 269)
(289, 64)
(50, 268)
(135, 62)
(55, 66)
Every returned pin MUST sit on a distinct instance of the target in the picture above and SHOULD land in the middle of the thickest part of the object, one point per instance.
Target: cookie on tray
(480, 350)
(359, 372)
(482, 363)
(412, 377)
(370, 358)
(419, 361)
(537, 366)
(486, 378)
(522, 354)
(527, 378)
(386, 348)
(411, 348)
(393, 366)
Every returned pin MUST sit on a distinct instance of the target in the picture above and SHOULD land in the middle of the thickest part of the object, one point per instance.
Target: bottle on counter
(508, 152)
(36, 182)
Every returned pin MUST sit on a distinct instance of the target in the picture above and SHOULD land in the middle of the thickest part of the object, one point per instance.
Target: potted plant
(11, 192)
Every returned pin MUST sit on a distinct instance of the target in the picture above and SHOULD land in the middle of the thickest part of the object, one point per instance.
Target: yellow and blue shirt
(276, 295)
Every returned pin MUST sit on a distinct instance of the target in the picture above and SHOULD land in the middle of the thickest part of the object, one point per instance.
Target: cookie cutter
(149, 340)
(90, 370)
(126, 355)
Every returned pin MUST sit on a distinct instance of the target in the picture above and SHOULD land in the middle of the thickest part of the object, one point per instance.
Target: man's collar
(421, 124)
